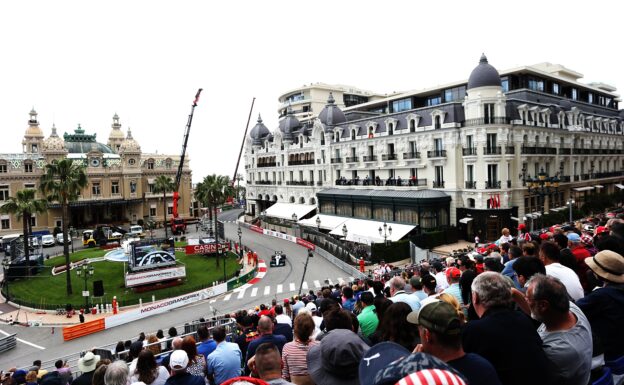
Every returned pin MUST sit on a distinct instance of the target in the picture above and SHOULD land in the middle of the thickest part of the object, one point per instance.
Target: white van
(6, 240)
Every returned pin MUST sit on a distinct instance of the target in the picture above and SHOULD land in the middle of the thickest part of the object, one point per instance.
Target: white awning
(286, 210)
(328, 222)
(514, 219)
(586, 188)
(367, 231)
(598, 186)
(620, 186)
(559, 208)
(465, 220)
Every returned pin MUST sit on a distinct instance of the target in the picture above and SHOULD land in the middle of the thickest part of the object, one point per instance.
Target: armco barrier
(240, 281)
(83, 329)
(7, 343)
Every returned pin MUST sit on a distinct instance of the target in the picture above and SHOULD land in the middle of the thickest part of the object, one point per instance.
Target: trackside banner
(209, 248)
(163, 306)
(153, 276)
(306, 244)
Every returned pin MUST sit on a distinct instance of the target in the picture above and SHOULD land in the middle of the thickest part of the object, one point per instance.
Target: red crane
(178, 225)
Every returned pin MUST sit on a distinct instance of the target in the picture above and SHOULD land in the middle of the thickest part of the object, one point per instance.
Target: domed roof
(116, 132)
(259, 132)
(331, 115)
(54, 143)
(129, 144)
(81, 143)
(565, 105)
(289, 124)
(33, 129)
(484, 75)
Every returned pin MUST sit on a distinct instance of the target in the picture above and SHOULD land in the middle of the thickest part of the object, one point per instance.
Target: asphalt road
(279, 282)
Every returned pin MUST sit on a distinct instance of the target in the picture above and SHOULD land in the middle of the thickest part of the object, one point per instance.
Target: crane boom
(243, 142)
(176, 194)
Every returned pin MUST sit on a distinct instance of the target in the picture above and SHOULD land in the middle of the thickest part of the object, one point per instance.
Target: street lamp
(85, 271)
(240, 242)
(318, 223)
(6, 265)
(238, 178)
(387, 231)
(220, 252)
(570, 202)
(310, 255)
(541, 186)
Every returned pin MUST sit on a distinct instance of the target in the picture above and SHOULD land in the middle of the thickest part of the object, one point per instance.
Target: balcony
(492, 150)
(268, 164)
(389, 157)
(492, 184)
(412, 182)
(539, 150)
(265, 182)
(299, 183)
(580, 151)
(469, 151)
(336, 160)
(510, 150)
(585, 176)
(411, 155)
(565, 151)
(352, 159)
(436, 154)
(370, 158)
(471, 184)
(610, 174)
(438, 184)
(564, 179)
(319, 183)
(300, 162)
(484, 121)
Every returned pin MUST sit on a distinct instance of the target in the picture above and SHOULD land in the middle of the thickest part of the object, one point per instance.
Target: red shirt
(580, 253)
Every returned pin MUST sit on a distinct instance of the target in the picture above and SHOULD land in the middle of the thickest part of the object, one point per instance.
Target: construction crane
(234, 178)
(178, 225)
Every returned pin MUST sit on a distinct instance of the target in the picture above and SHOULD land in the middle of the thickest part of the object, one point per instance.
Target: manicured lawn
(47, 291)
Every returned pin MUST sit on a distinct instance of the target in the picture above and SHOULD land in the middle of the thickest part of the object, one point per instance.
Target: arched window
(292, 199)
(322, 139)
(471, 202)
(302, 200)
(412, 125)
(352, 134)
(336, 137)
(437, 122)
(390, 129)
(312, 201)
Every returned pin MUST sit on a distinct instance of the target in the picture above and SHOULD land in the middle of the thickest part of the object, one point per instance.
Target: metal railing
(352, 159)
(335, 160)
(492, 150)
(436, 154)
(300, 162)
(510, 150)
(370, 158)
(438, 184)
(268, 164)
(389, 157)
(411, 155)
(265, 182)
(469, 151)
(471, 184)
(492, 184)
(299, 183)
(484, 121)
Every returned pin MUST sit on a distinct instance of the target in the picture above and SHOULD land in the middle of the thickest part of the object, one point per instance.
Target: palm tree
(23, 206)
(62, 182)
(213, 191)
(164, 184)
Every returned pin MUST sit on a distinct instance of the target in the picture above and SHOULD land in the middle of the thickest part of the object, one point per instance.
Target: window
(536, 84)
(169, 210)
(150, 187)
(437, 144)
(452, 94)
(390, 128)
(168, 163)
(439, 175)
(555, 88)
(491, 142)
(4, 193)
(505, 84)
(488, 113)
(35, 148)
(352, 134)
(33, 221)
(3, 168)
(28, 167)
(469, 142)
(433, 100)
(5, 223)
(412, 126)
(152, 211)
(470, 173)
(492, 174)
(414, 173)
(29, 186)
(150, 164)
(95, 188)
(402, 105)
(115, 187)
(574, 94)
(437, 124)
(292, 176)
(590, 97)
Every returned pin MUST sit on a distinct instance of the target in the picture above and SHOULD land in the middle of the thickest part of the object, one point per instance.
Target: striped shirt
(294, 358)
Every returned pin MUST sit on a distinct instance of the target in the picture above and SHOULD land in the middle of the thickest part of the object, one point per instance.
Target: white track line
(292, 286)
(241, 294)
(213, 300)
(304, 286)
(254, 291)
(267, 290)
(227, 297)
(341, 281)
(317, 283)
(24, 342)
(280, 288)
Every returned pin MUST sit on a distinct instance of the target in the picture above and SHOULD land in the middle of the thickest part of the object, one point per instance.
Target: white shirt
(283, 319)
(569, 279)
(441, 282)
(505, 239)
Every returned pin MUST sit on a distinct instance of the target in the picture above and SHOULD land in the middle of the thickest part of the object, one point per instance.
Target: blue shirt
(206, 347)
(349, 304)
(511, 273)
(225, 362)
(419, 294)
(401, 296)
(476, 369)
(455, 291)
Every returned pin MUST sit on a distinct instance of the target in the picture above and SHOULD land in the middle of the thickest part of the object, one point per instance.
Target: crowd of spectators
(547, 309)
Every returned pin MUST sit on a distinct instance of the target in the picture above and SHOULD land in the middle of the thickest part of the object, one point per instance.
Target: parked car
(47, 240)
(136, 230)
(59, 239)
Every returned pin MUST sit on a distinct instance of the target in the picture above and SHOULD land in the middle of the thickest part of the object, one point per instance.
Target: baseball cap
(431, 377)
(521, 226)
(574, 237)
(311, 306)
(377, 358)
(544, 236)
(453, 272)
(413, 363)
(600, 229)
(178, 359)
(438, 316)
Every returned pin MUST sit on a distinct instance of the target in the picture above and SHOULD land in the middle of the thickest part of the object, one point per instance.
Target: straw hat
(607, 264)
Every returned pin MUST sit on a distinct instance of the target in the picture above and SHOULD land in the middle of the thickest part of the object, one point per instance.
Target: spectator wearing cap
(549, 255)
(439, 327)
(417, 288)
(116, 373)
(368, 317)
(86, 365)
(565, 331)
(335, 361)
(295, 366)
(525, 268)
(604, 307)
(441, 282)
(285, 330)
(580, 253)
(505, 337)
(225, 361)
(397, 284)
(265, 329)
(178, 362)
(453, 276)
(523, 235)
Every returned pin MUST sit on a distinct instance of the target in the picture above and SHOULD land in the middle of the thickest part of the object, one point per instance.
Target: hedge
(394, 251)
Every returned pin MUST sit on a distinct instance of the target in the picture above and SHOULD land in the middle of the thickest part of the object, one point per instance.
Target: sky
(80, 62)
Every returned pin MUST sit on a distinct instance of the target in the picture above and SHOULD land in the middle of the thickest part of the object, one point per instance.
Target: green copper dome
(81, 143)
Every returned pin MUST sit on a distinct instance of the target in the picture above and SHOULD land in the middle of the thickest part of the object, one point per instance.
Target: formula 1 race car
(278, 259)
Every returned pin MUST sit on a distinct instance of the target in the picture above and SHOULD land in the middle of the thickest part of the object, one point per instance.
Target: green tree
(23, 205)
(62, 182)
(164, 184)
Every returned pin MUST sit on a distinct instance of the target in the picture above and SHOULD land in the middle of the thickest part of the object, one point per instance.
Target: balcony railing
(585, 176)
(539, 150)
(265, 182)
(319, 183)
(492, 150)
(564, 179)
(471, 184)
(580, 151)
(352, 159)
(469, 151)
(411, 155)
(610, 174)
(510, 150)
(336, 160)
(299, 183)
(389, 157)
(565, 151)
(436, 154)
(438, 184)
(300, 162)
(268, 164)
(492, 184)
(484, 121)
(412, 182)
(370, 158)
